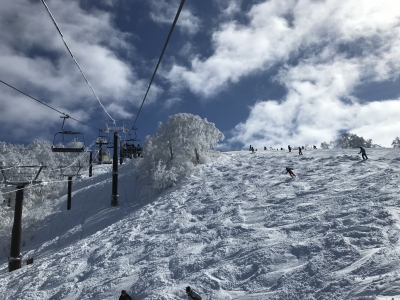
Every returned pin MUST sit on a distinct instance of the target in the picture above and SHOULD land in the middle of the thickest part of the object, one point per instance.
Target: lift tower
(116, 127)
(19, 176)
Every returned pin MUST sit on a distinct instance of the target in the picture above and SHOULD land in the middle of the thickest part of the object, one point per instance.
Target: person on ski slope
(300, 153)
(124, 296)
(290, 171)
(192, 295)
(364, 155)
(290, 148)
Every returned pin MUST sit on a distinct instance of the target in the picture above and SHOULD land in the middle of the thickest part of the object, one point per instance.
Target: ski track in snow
(238, 228)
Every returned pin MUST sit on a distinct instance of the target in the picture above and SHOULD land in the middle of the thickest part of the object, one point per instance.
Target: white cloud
(233, 8)
(228, 8)
(119, 110)
(326, 50)
(164, 12)
(172, 102)
(34, 59)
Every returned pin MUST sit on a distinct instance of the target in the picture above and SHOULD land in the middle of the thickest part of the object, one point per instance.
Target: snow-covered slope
(239, 228)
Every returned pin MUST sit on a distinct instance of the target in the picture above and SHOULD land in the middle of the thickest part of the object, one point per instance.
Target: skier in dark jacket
(192, 295)
(364, 155)
(124, 296)
(290, 171)
(290, 148)
(300, 153)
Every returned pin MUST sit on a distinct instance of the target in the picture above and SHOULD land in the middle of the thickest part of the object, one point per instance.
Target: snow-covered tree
(325, 145)
(396, 143)
(171, 154)
(36, 153)
(350, 140)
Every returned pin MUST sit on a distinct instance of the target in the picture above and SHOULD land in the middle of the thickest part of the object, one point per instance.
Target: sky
(238, 228)
(267, 73)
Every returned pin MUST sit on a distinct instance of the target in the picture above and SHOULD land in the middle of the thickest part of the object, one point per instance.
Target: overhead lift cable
(60, 112)
(161, 56)
(65, 43)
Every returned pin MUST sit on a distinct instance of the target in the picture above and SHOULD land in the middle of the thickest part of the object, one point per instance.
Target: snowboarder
(364, 155)
(290, 171)
(192, 295)
(124, 296)
(290, 148)
(300, 153)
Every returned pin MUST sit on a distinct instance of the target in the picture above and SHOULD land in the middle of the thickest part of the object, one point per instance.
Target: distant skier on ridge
(192, 295)
(364, 155)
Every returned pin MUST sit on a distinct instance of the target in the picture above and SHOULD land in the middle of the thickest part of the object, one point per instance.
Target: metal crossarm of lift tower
(115, 126)
(13, 176)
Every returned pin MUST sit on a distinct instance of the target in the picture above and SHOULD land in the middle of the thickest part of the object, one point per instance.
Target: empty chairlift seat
(68, 141)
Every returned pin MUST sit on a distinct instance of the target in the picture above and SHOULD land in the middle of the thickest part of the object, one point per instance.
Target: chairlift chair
(128, 148)
(101, 140)
(70, 171)
(68, 141)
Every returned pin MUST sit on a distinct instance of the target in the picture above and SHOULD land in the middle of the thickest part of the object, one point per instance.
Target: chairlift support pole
(15, 258)
(91, 164)
(69, 193)
(70, 176)
(14, 261)
(115, 129)
(114, 197)
(121, 159)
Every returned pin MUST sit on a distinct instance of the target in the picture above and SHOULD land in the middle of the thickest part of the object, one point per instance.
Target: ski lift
(101, 139)
(21, 175)
(70, 171)
(68, 141)
(128, 148)
(103, 155)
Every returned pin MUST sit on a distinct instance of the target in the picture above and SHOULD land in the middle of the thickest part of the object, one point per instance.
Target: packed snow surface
(238, 228)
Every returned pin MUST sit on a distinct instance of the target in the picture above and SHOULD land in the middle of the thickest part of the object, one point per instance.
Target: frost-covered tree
(396, 143)
(331, 145)
(36, 153)
(349, 140)
(324, 145)
(171, 154)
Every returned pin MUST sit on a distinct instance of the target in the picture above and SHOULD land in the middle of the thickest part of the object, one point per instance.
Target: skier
(290, 171)
(124, 296)
(364, 155)
(290, 148)
(300, 153)
(250, 147)
(192, 295)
